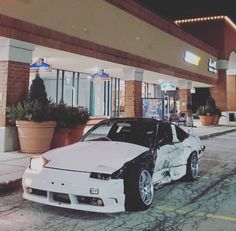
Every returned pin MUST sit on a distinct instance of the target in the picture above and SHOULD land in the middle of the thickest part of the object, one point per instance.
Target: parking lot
(207, 204)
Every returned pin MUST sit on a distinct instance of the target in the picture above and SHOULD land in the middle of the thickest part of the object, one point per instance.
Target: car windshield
(140, 132)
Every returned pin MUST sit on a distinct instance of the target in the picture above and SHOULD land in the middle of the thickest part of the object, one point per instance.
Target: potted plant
(209, 114)
(60, 114)
(205, 115)
(79, 118)
(71, 122)
(33, 119)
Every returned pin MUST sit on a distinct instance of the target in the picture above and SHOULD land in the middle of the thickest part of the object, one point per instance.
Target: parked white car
(115, 167)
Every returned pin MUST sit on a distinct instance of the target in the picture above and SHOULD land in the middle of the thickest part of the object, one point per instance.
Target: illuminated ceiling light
(137, 38)
(226, 18)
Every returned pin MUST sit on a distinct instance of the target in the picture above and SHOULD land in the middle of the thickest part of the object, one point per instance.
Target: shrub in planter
(33, 119)
(61, 134)
(38, 91)
(79, 118)
(70, 124)
(209, 114)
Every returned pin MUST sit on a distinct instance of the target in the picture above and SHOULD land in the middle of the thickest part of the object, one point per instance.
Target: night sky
(180, 9)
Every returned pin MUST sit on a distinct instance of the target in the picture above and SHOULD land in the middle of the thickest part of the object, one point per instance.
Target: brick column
(133, 92)
(231, 92)
(15, 57)
(184, 95)
(219, 92)
(14, 82)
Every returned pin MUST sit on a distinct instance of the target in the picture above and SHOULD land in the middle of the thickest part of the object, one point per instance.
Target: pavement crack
(207, 189)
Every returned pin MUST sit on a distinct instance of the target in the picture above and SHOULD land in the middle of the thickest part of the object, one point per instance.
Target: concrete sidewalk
(13, 164)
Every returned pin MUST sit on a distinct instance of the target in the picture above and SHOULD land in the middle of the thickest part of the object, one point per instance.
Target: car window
(133, 132)
(130, 131)
(181, 134)
(101, 131)
(164, 134)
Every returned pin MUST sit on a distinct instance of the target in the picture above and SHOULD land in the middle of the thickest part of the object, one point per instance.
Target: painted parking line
(196, 214)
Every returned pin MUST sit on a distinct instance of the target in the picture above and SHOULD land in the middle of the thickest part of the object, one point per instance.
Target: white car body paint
(69, 168)
(74, 184)
(103, 157)
(93, 156)
(172, 159)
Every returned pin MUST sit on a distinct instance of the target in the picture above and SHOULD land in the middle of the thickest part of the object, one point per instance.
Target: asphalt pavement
(13, 164)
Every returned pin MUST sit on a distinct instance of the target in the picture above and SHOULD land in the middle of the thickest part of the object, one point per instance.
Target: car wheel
(139, 189)
(192, 167)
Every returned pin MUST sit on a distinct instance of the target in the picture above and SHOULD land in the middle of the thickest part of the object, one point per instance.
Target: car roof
(127, 119)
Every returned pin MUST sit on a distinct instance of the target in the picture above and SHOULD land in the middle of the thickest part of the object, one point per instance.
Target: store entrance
(106, 97)
(171, 102)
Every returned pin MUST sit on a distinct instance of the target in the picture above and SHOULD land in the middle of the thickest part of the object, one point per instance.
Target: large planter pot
(215, 120)
(35, 137)
(206, 120)
(60, 137)
(76, 133)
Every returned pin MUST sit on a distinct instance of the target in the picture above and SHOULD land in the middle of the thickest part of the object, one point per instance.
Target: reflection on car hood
(93, 156)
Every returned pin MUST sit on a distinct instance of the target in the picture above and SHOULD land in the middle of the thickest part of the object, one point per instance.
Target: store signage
(212, 66)
(191, 58)
(168, 86)
(40, 65)
(101, 75)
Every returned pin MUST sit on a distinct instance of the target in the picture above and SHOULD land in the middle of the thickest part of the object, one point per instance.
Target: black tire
(139, 189)
(192, 167)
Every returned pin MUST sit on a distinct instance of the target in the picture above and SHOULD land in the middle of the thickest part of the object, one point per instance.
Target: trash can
(231, 117)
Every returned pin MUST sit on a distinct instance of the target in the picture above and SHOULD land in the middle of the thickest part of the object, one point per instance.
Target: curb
(216, 134)
(10, 186)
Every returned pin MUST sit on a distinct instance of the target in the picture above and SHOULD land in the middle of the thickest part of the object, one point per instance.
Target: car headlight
(36, 163)
(100, 176)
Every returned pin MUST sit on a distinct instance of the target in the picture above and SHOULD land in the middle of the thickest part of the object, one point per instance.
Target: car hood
(93, 156)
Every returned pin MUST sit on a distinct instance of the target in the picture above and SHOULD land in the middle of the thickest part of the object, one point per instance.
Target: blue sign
(40, 65)
(100, 75)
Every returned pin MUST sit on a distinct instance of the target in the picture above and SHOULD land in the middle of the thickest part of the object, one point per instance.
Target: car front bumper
(75, 190)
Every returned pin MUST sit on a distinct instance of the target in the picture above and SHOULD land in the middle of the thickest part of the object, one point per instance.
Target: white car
(115, 167)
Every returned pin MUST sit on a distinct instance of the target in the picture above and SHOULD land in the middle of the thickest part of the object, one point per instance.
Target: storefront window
(101, 97)
(150, 90)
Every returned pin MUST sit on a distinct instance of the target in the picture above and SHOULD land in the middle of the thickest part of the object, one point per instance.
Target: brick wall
(231, 92)
(184, 96)
(219, 91)
(3, 91)
(14, 82)
(133, 93)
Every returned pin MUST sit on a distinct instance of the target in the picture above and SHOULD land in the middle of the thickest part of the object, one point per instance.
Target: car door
(178, 154)
(178, 147)
(164, 138)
